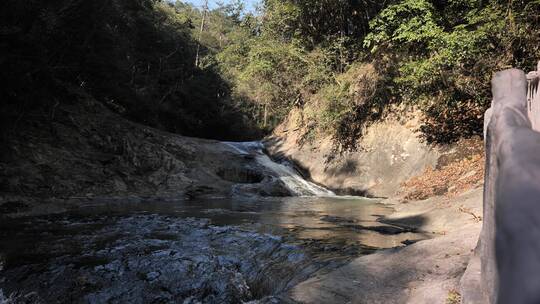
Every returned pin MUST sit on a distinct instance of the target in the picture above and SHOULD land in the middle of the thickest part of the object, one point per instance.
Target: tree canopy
(342, 61)
(437, 56)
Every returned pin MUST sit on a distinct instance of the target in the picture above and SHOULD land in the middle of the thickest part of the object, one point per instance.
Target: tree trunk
(200, 33)
(265, 115)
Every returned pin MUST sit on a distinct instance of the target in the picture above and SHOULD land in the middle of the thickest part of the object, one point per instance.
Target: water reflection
(331, 219)
(265, 245)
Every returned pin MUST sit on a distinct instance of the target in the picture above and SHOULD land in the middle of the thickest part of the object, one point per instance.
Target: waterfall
(285, 172)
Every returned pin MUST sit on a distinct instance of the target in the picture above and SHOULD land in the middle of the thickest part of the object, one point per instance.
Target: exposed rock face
(87, 151)
(390, 153)
(152, 259)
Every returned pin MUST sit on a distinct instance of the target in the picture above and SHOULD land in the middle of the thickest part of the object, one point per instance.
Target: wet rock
(198, 191)
(274, 187)
(241, 175)
(119, 185)
(389, 230)
(269, 187)
(337, 219)
(13, 207)
(408, 242)
(93, 150)
(123, 262)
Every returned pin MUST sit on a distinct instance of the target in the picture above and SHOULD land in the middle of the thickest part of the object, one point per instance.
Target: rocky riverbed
(94, 208)
(213, 251)
(148, 259)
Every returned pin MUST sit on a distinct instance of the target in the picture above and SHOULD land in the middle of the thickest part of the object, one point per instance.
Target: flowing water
(285, 171)
(191, 251)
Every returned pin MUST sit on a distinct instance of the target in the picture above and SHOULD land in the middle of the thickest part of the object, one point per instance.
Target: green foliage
(405, 25)
(136, 56)
(345, 106)
(445, 57)
(291, 52)
(436, 55)
(342, 61)
(319, 71)
(281, 19)
(318, 22)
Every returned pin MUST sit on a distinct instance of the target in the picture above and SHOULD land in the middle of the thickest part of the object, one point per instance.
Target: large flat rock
(425, 272)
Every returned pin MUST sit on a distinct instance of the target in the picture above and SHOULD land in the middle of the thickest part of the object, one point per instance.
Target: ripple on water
(219, 251)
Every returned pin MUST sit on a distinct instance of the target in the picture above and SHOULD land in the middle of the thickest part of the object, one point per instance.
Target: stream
(223, 250)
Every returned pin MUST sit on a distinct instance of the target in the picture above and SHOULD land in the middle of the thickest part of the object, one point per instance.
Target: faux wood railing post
(509, 243)
(533, 98)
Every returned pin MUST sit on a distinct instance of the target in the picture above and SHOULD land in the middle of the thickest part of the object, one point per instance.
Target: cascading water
(240, 249)
(285, 172)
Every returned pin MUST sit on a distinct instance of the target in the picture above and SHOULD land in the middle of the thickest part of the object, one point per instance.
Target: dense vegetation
(343, 62)
(135, 56)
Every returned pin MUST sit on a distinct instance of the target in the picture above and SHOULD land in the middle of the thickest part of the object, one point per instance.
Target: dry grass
(451, 179)
(453, 297)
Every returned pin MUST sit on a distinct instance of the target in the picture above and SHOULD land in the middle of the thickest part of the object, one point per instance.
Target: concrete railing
(509, 245)
(533, 98)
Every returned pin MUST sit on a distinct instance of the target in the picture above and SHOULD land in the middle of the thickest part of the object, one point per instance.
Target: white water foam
(287, 174)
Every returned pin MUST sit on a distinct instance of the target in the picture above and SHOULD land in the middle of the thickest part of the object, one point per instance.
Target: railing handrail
(533, 98)
(508, 250)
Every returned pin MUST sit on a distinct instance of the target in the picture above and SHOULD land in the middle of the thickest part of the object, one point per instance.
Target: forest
(237, 74)
(348, 61)
(303, 151)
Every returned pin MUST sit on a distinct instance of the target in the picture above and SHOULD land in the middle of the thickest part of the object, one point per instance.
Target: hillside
(311, 151)
(136, 57)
